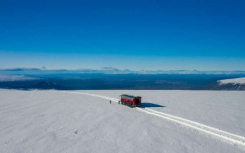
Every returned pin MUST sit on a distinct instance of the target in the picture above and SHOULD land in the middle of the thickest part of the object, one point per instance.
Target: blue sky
(137, 35)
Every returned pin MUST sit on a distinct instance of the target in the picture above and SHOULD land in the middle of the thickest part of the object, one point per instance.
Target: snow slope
(232, 81)
(57, 121)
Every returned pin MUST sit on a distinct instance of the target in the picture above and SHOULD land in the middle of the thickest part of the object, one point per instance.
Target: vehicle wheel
(122, 102)
(129, 104)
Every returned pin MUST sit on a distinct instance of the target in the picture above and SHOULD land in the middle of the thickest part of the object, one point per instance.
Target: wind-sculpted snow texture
(85, 121)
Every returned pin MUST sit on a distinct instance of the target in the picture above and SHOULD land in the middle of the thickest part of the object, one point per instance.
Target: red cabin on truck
(130, 100)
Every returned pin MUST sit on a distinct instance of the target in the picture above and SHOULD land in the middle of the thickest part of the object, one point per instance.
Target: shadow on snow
(145, 104)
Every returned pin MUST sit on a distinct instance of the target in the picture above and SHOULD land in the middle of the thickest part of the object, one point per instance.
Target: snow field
(57, 121)
(214, 132)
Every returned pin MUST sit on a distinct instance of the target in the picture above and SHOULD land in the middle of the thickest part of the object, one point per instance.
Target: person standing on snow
(110, 101)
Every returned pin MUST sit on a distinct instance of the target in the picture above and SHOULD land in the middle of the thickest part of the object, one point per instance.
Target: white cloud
(5, 78)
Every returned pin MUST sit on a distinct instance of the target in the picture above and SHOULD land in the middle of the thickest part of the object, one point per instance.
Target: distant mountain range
(98, 81)
(112, 70)
(229, 86)
(45, 85)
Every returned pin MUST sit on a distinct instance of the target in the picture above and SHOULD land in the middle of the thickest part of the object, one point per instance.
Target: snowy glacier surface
(58, 121)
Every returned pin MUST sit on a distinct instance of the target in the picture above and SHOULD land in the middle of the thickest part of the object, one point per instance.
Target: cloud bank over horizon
(111, 70)
(7, 78)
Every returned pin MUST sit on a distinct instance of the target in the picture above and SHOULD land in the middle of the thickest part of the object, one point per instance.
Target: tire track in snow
(230, 135)
(213, 132)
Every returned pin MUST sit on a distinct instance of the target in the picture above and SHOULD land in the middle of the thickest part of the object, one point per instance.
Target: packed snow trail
(213, 132)
(230, 135)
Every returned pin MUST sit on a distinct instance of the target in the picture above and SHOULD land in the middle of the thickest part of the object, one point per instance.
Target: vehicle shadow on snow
(145, 104)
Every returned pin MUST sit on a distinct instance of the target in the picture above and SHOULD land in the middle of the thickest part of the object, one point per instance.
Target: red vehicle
(130, 100)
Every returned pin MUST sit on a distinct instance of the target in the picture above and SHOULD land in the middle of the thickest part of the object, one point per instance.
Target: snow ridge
(232, 81)
(213, 132)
